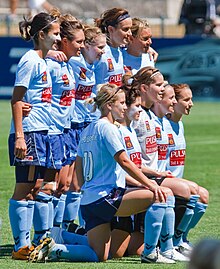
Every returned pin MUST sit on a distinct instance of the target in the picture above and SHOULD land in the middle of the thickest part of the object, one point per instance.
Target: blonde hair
(138, 25)
(91, 33)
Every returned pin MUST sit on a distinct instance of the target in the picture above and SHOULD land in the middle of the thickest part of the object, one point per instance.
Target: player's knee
(168, 191)
(204, 195)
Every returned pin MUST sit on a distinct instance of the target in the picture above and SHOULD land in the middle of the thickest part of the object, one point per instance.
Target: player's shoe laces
(174, 255)
(23, 253)
(155, 257)
(41, 251)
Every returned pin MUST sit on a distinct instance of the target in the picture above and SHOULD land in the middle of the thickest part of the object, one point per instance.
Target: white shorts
(35, 4)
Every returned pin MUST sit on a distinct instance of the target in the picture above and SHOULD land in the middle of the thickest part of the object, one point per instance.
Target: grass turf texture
(202, 129)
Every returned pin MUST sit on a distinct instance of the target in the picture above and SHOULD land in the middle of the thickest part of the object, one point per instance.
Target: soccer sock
(18, 221)
(41, 216)
(51, 214)
(59, 210)
(30, 214)
(152, 226)
(167, 231)
(75, 253)
(199, 211)
(74, 239)
(81, 220)
(71, 208)
(182, 226)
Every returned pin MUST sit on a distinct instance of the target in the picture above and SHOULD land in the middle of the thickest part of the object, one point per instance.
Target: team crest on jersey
(128, 70)
(147, 125)
(128, 142)
(44, 77)
(158, 133)
(110, 65)
(65, 79)
(171, 140)
(82, 74)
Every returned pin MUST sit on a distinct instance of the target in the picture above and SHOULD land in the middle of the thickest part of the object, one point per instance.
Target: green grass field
(202, 129)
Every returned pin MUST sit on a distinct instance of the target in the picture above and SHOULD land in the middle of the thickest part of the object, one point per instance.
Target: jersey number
(88, 165)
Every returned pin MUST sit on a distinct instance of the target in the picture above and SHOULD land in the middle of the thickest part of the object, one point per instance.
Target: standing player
(116, 24)
(101, 157)
(28, 140)
(177, 147)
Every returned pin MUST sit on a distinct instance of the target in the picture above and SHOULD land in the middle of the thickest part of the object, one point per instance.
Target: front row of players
(129, 159)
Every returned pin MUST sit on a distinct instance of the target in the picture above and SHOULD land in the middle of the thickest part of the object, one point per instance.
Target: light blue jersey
(99, 143)
(85, 88)
(110, 68)
(131, 144)
(134, 63)
(176, 147)
(63, 95)
(162, 142)
(33, 74)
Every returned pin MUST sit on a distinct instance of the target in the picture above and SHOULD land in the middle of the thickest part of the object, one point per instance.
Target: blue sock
(71, 208)
(41, 216)
(30, 214)
(199, 211)
(18, 221)
(167, 231)
(59, 211)
(182, 226)
(51, 214)
(81, 220)
(75, 253)
(74, 239)
(153, 224)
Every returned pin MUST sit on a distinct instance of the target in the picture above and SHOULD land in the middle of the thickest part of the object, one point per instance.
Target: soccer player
(116, 24)
(28, 140)
(101, 157)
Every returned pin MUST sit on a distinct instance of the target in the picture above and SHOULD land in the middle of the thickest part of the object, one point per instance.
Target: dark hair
(179, 88)
(29, 28)
(111, 17)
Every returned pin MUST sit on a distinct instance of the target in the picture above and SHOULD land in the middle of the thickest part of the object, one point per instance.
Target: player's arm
(57, 55)
(16, 105)
(153, 54)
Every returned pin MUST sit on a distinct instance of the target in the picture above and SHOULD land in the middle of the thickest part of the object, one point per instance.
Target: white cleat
(155, 257)
(174, 255)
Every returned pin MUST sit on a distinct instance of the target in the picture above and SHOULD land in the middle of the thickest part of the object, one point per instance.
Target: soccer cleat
(184, 248)
(22, 254)
(41, 251)
(155, 257)
(174, 255)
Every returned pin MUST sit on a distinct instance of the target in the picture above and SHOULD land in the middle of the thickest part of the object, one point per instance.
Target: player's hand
(160, 194)
(57, 55)
(20, 150)
(166, 174)
(153, 54)
(26, 108)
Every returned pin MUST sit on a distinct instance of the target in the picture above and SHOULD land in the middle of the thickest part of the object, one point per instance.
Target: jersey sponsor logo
(128, 142)
(158, 133)
(162, 152)
(115, 79)
(28, 158)
(128, 69)
(46, 95)
(147, 124)
(83, 92)
(151, 144)
(136, 159)
(110, 65)
(82, 74)
(66, 97)
(171, 142)
(66, 81)
(177, 157)
(44, 77)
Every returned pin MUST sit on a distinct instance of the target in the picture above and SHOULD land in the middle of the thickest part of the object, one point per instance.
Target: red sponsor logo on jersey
(66, 98)
(28, 158)
(136, 159)
(128, 70)
(171, 140)
(83, 92)
(158, 133)
(44, 77)
(46, 95)
(128, 142)
(82, 74)
(151, 144)
(110, 65)
(162, 151)
(65, 80)
(177, 157)
(147, 125)
(115, 79)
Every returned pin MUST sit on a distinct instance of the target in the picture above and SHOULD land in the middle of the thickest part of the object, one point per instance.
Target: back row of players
(55, 91)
